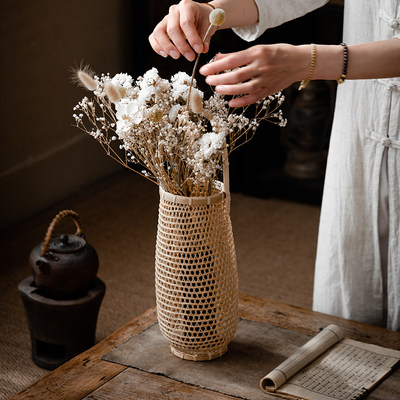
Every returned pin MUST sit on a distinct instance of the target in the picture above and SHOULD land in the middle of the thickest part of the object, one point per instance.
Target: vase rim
(194, 201)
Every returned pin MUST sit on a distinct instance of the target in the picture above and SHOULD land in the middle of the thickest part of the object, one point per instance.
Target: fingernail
(189, 56)
(163, 53)
(233, 104)
(174, 54)
(203, 70)
(197, 48)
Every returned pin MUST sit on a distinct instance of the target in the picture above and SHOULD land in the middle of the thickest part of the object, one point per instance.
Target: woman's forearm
(365, 61)
(238, 12)
(375, 60)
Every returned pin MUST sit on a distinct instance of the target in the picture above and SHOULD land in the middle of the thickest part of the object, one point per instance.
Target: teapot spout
(43, 266)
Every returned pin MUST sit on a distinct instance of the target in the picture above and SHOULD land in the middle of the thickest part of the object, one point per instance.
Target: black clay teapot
(64, 265)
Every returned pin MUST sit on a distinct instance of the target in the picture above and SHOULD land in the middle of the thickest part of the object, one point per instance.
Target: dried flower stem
(195, 66)
(216, 18)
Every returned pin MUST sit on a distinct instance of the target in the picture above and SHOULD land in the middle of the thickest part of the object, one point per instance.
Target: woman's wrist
(329, 64)
(328, 61)
(300, 59)
(238, 12)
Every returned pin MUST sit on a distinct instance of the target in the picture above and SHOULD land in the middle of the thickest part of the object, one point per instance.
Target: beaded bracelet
(306, 81)
(345, 62)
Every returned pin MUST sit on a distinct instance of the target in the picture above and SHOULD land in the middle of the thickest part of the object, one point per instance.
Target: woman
(357, 273)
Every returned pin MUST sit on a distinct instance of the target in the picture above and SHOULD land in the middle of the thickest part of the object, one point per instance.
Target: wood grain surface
(88, 377)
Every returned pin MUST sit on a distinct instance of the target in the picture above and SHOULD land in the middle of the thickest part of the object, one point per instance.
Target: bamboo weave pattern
(196, 275)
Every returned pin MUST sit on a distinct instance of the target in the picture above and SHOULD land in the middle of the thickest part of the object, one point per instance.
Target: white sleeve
(275, 12)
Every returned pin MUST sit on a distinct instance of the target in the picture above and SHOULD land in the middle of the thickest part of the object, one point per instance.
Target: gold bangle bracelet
(306, 81)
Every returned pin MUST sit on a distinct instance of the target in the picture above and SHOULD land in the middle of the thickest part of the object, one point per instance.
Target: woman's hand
(182, 31)
(257, 72)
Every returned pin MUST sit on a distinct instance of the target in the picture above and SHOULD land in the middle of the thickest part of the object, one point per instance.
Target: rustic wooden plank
(86, 372)
(310, 322)
(139, 385)
(389, 389)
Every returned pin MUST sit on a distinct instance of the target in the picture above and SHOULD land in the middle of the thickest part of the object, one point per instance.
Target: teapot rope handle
(55, 222)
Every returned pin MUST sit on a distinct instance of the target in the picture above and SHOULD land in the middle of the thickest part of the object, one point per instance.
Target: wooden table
(88, 377)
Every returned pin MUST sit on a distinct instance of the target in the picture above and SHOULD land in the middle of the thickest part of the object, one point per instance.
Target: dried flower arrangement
(179, 139)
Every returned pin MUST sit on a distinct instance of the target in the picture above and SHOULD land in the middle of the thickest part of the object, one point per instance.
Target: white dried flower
(123, 80)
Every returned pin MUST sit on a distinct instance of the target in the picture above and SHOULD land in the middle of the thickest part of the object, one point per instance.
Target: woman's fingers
(253, 74)
(241, 81)
(160, 41)
(178, 37)
(238, 88)
(250, 92)
(224, 62)
(156, 46)
(181, 32)
(188, 25)
(232, 77)
(168, 38)
(246, 100)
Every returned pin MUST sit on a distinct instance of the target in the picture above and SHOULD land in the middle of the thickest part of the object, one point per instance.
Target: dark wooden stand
(60, 329)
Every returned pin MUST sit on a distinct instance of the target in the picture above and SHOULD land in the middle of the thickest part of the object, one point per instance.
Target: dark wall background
(43, 158)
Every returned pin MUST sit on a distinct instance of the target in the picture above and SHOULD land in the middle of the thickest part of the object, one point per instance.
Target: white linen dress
(357, 272)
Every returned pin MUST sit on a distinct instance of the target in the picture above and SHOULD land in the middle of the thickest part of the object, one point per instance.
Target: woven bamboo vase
(196, 274)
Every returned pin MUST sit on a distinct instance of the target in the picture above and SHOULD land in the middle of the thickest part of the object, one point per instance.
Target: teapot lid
(67, 243)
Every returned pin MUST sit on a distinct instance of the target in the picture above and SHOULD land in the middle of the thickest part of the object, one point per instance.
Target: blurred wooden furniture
(88, 377)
